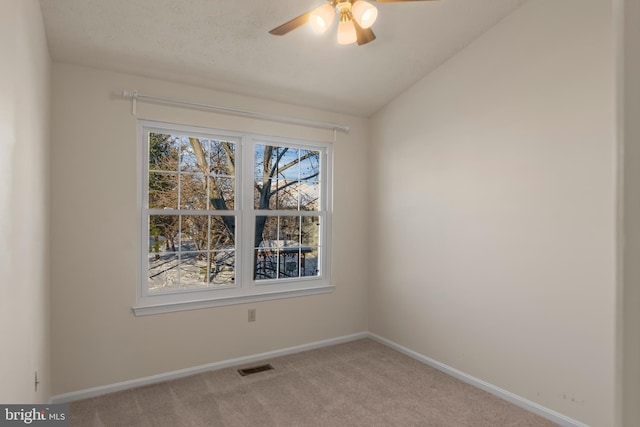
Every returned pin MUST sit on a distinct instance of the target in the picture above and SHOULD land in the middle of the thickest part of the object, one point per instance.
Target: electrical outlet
(252, 315)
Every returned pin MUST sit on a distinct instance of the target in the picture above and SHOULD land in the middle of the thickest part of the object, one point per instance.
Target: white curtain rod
(233, 111)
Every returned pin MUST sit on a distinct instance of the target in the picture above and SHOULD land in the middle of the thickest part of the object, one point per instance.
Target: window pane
(163, 272)
(163, 191)
(221, 193)
(289, 263)
(222, 158)
(309, 261)
(222, 268)
(194, 154)
(286, 163)
(309, 195)
(194, 233)
(266, 263)
(266, 232)
(289, 231)
(163, 152)
(309, 165)
(193, 192)
(193, 269)
(285, 195)
(262, 181)
(163, 233)
(310, 239)
(222, 232)
(266, 251)
(310, 231)
(257, 194)
(259, 162)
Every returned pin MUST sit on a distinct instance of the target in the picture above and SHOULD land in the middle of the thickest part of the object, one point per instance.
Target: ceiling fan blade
(296, 22)
(395, 1)
(363, 35)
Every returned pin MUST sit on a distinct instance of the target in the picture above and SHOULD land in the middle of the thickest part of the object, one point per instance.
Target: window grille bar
(135, 95)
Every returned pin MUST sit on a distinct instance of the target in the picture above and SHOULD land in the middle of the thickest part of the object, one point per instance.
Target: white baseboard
(476, 382)
(124, 385)
(547, 413)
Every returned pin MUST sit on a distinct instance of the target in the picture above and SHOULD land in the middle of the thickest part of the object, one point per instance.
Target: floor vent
(254, 370)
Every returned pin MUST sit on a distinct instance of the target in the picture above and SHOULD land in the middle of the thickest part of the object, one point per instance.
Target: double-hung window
(229, 217)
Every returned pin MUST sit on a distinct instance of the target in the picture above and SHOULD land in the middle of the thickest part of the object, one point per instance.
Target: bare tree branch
(200, 157)
(290, 183)
(294, 162)
(231, 158)
(276, 168)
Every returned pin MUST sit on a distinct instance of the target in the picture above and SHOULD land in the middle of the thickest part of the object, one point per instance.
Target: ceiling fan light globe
(321, 18)
(364, 13)
(346, 32)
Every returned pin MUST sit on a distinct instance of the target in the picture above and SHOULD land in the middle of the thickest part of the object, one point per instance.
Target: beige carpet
(361, 383)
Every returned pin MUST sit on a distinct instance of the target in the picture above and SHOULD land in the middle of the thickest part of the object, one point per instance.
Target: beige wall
(631, 212)
(24, 148)
(494, 190)
(94, 235)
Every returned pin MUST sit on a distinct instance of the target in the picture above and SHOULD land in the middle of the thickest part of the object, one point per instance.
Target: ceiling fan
(356, 18)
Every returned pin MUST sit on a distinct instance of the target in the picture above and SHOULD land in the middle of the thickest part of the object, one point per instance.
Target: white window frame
(246, 288)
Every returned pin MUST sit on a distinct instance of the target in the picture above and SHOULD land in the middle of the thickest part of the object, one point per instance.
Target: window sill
(150, 308)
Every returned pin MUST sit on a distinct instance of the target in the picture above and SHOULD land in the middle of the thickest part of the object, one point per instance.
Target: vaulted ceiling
(225, 45)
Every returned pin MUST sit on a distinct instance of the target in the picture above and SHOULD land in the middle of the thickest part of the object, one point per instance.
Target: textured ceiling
(225, 45)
